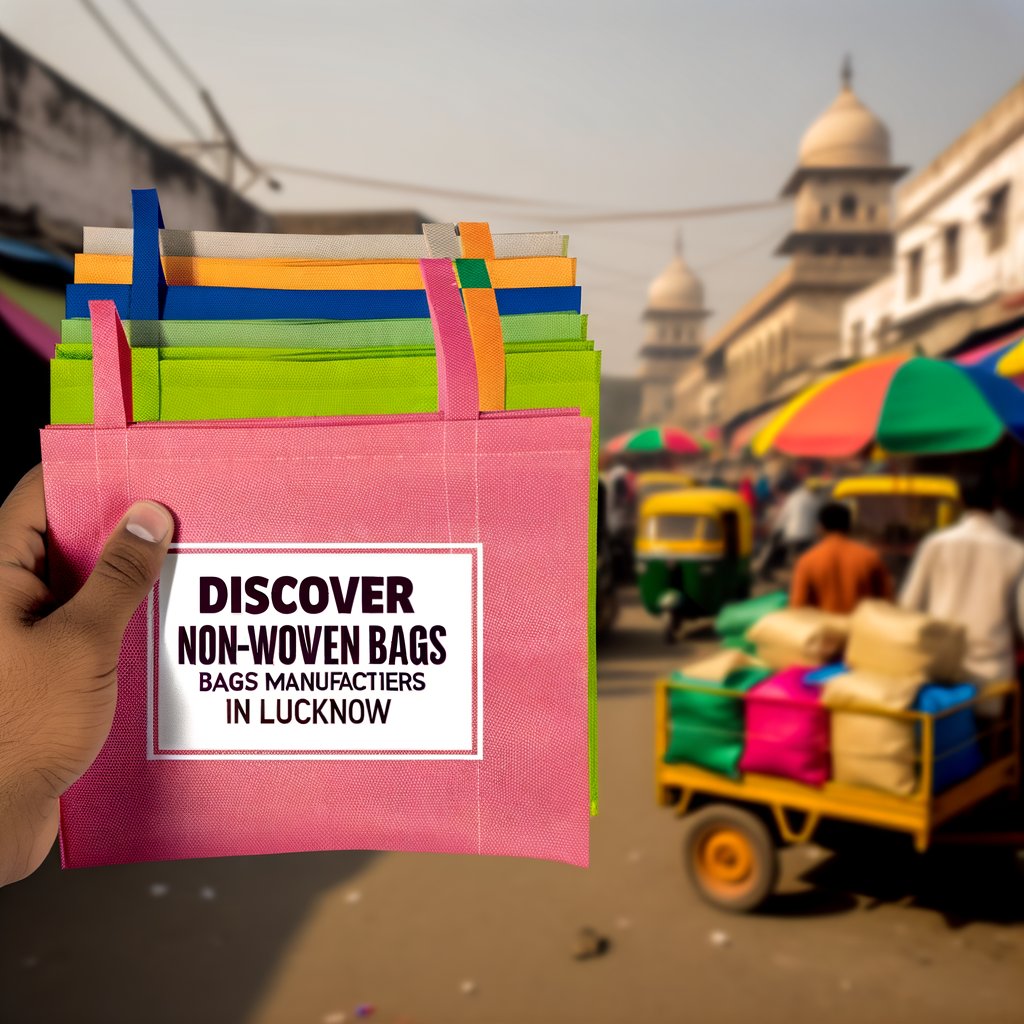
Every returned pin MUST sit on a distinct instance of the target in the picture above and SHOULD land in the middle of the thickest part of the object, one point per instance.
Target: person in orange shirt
(837, 573)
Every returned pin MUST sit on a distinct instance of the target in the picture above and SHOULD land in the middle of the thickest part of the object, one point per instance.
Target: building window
(994, 217)
(856, 338)
(820, 249)
(825, 211)
(848, 207)
(869, 211)
(845, 248)
(871, 249)
(950, 250)
(915, 261)
(783, 350)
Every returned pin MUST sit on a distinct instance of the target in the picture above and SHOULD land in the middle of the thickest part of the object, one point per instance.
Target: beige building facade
(840, 242)
(959, 267)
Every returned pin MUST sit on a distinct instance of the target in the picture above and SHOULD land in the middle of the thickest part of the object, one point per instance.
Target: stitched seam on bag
(127, 473)
(479, 583)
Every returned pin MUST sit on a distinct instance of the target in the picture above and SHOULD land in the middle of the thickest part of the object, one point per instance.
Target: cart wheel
(730, 858)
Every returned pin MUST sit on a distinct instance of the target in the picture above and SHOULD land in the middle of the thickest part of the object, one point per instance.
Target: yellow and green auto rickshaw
(656, 481)
(894, 513)
(692, 553)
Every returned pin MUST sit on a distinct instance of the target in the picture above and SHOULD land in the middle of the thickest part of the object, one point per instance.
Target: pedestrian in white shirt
(797, 522)
(973, 573)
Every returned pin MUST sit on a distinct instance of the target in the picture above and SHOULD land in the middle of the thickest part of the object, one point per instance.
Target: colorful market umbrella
(908, 405)
(1004, 356)
(745, 433)
(656, 439)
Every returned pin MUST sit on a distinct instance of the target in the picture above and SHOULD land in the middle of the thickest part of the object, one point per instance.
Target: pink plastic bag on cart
(787, 729)
(371, 632)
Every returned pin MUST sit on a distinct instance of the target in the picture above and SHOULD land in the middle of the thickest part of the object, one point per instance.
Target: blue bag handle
(148, 290)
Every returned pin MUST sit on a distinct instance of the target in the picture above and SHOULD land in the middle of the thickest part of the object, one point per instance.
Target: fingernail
(149, 522)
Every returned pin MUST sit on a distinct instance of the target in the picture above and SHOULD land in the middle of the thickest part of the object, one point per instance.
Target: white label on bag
(317, 652)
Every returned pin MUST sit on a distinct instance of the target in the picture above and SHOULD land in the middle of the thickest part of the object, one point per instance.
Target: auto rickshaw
(693, 552)
(654, 482)
(895, 513)
(625, 493)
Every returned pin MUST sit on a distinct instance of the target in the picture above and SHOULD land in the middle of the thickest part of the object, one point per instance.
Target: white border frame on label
(152, 656)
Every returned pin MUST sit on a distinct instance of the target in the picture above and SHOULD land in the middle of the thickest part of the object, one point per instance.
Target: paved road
(443, 940)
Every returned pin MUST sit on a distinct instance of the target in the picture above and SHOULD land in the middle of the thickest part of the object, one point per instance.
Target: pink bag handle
(457, 391)
(111, 367)
(458, 397)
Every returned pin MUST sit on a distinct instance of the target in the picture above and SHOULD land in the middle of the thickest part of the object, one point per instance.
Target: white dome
(675, 290)
(846, 135)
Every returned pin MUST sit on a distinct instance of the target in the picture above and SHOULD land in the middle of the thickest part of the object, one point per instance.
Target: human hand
(58, 664)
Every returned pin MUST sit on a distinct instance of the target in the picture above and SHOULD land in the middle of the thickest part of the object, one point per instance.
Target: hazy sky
(611, 106)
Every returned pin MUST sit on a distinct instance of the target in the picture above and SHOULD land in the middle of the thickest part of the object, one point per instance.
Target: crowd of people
(971, 572)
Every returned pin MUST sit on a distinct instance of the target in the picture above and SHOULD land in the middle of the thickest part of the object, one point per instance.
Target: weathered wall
(67, 160)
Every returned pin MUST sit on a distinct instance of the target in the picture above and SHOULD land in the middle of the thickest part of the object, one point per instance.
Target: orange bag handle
(482, 312)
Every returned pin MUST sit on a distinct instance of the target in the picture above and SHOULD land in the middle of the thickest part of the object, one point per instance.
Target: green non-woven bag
(736, 618)
(706, 729)
(169, 387)
(323, 334)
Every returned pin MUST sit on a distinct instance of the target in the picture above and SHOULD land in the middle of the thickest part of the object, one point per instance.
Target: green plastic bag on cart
(736, 618)
(708, 729)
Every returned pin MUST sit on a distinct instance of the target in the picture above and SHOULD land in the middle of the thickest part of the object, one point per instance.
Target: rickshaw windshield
(659, 487)
(682, 528)
(895, 518)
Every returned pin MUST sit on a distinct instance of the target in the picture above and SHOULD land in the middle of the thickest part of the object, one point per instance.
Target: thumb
(128, 566)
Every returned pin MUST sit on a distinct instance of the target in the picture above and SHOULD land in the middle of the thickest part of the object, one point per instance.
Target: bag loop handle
(149, 286)
(458, 396)
(482, 312)
(111, 367)
(476, 246)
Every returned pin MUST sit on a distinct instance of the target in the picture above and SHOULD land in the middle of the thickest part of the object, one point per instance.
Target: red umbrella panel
(835, 419)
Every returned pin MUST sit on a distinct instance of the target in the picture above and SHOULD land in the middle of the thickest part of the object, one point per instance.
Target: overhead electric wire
(230, 139)
(404, 186)
(543, 206)
(172, 55)
(684, 213)
(141, 69)
(545, 209)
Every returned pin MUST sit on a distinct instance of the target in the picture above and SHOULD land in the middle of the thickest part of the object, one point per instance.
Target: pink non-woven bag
(370, 633)
(787, 729)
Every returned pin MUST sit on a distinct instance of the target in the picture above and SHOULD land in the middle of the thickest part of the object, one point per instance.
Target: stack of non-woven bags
(247, 326)
(797, 695)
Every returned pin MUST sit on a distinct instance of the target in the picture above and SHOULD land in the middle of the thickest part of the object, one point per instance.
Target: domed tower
(842, 187)
(673, 317)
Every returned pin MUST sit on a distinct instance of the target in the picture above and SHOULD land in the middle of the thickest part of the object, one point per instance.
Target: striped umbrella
(671, 440)
(908, 405)
(1004, 356)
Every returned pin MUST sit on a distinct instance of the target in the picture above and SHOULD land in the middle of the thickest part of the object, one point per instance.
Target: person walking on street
(797, 520)
(838, 573)
(973, 573)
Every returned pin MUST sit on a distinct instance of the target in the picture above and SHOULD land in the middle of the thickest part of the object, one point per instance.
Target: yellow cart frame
(918, 814)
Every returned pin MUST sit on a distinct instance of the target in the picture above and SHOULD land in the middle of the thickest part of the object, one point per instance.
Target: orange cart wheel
(730, 858)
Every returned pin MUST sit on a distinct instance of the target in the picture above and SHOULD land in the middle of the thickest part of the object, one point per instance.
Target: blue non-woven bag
(149, 297)
(957, 754)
